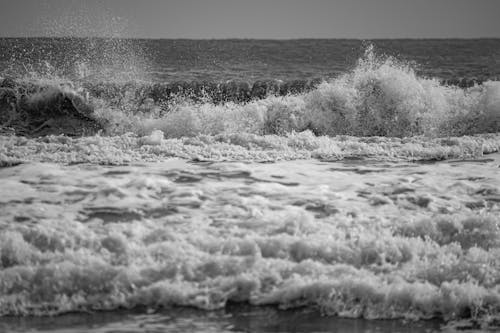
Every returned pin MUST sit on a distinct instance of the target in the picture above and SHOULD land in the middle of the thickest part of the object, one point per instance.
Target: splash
(381, 96)
(84, 45)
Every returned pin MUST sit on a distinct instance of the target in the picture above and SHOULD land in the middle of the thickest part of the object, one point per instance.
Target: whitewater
(373, 194)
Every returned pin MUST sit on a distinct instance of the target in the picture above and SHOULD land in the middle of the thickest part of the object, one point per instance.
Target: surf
(380, 96)
(155, 195)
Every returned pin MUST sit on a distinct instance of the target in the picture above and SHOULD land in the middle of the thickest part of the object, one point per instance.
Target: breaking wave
(381, 96)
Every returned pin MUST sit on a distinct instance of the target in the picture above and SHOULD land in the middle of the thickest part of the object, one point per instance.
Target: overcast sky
(362, 19)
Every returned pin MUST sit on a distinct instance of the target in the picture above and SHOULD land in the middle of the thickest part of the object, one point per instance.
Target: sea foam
(381, 96)
(372, 240)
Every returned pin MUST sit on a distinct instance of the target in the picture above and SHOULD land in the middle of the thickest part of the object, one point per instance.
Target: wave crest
(380, 96)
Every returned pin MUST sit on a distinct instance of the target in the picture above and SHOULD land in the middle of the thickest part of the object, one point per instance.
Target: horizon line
(249, 38)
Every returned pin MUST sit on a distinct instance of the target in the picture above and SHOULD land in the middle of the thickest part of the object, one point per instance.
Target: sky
(269, 19)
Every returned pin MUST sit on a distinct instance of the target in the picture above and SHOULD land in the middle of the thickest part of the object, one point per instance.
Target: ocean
(245, 60)
(249, 185)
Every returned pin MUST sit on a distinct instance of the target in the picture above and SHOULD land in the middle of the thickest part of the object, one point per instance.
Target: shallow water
(235, 318)
(360, 239)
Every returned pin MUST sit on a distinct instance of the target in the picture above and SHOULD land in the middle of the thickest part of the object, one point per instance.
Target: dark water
(235, 318)
(250, 60)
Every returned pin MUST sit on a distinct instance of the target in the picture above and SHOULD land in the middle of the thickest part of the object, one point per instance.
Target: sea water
(374, 195)
(356, 239)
